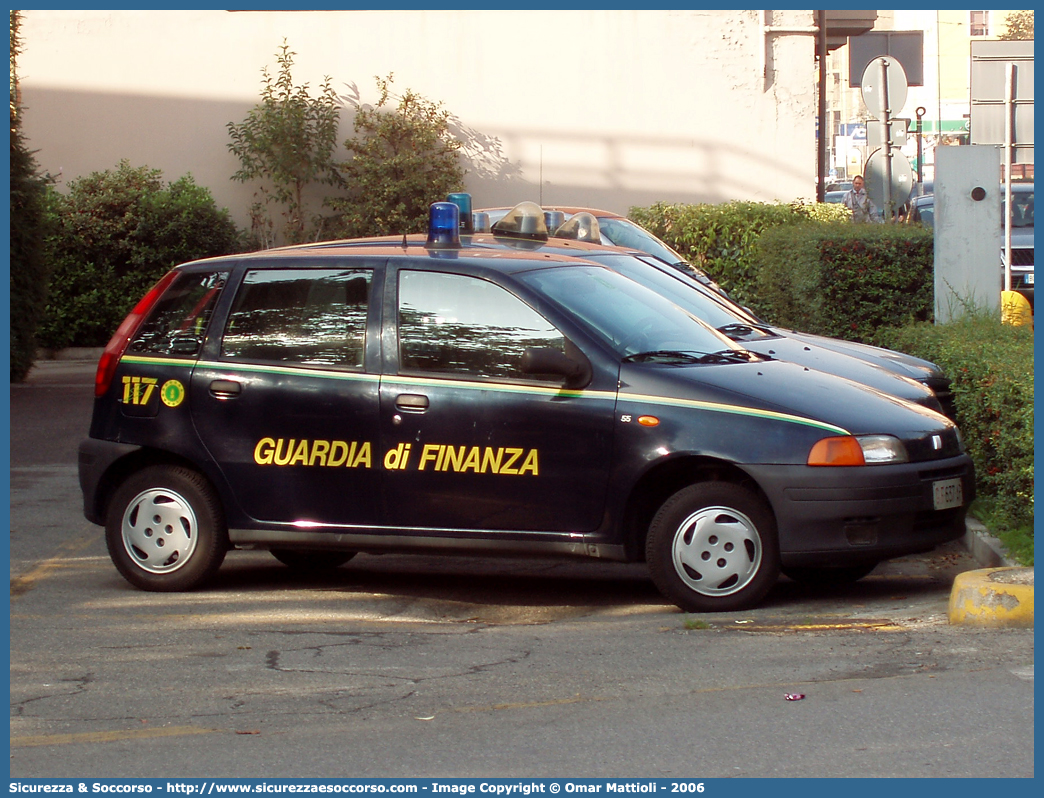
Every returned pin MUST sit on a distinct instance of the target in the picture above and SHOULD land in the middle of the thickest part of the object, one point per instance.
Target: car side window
(178, 323)
(309, 317)
(452, 324)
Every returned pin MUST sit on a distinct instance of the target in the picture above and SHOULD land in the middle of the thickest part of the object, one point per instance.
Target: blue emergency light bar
(444, 226)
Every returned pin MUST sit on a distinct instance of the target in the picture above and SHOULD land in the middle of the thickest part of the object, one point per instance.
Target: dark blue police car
(322, 401)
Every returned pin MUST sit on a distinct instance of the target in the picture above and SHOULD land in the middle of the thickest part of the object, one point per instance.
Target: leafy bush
(112, 236)
(403, 159)
(721, 239)
(29, 268)
(991, 365)
(843, 280)
(288, 141)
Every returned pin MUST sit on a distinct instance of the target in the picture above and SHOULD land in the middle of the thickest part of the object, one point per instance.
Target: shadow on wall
(76, 133)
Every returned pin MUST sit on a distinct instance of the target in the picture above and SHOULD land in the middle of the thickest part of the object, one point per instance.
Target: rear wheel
(712, 547)
(829, 577)
(165, 530)
(312, 560)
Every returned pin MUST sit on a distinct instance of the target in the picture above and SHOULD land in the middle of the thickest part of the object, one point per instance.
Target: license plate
(947, 493)
(1029, 279)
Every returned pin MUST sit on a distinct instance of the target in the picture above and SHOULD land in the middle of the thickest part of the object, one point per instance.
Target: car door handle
(411, 402)
(225, 389)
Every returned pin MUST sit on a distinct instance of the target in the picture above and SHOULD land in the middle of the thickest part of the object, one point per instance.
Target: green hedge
(843, 280)
(113, 234)
(29, 266)
(722, 239)
(991, 365)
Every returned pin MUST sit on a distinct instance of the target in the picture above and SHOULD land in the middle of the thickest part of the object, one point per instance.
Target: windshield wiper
(665, 356)
(678, 356)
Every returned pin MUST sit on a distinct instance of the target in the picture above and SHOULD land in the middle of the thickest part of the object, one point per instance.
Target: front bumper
(841, 516)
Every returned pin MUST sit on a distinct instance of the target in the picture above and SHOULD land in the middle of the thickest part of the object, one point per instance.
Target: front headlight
(848, 450)
(882, 449)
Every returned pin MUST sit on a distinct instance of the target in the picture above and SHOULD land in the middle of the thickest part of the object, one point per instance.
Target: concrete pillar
(968, 232)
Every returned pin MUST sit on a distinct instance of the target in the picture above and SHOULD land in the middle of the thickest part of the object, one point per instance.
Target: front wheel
(712, 547)
(165, 530)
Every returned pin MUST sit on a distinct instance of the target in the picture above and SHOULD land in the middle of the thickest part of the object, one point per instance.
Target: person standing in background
(857, 201)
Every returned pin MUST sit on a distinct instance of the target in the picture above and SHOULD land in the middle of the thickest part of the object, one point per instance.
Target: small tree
(1018, 26)
(287, 141)
(403, 159)
(29, 267)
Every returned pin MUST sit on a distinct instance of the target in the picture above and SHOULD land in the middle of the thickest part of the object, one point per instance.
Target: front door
(469, 442)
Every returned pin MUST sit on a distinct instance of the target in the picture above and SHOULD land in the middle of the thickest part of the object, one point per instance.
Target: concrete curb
(987, 550)
(993, 597)
(998, 595)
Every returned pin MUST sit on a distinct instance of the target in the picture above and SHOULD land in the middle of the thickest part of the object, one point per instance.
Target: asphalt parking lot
(409, 665)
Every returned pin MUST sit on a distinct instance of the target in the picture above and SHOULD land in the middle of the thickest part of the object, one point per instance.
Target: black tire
(713, 547)
(828, 577)
(312, 560)
(165, 530)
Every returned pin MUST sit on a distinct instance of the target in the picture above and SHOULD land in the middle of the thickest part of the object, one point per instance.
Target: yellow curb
(993, 597)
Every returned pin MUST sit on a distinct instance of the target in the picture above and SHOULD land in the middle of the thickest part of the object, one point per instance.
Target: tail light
(117, 345)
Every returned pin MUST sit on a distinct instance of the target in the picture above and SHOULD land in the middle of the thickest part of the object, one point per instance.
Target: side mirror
(545, 360)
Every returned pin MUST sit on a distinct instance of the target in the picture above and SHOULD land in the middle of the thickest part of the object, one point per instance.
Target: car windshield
(702, 304)
(926, 213)
(625, 233)
(629, 317)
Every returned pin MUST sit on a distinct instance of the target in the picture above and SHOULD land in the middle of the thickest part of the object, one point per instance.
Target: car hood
(813, 356)
(784, 390)
(898, 362)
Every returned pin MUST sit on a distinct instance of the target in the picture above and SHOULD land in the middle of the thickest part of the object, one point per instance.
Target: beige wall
(604, 108)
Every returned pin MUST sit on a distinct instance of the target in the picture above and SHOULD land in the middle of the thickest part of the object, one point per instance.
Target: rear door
(288, 409)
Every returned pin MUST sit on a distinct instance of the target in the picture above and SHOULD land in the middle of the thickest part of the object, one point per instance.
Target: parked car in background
(922, 209)
(745, 327)
(616, 230)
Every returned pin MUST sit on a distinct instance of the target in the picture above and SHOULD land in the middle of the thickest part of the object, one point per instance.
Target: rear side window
(310, 317)
(178, 322)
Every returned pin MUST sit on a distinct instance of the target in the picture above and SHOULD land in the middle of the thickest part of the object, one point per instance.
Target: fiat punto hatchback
(323, 401)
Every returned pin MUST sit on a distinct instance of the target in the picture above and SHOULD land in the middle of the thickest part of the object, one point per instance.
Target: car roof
(516, 259)
(573, 209)
(479, 245)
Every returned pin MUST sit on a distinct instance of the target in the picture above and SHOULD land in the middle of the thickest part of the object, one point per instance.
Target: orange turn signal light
(648, 421)
(841, 451)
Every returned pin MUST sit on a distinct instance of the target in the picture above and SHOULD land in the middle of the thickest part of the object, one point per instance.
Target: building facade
(606, 108)
(944, 95)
